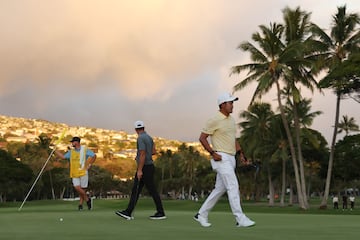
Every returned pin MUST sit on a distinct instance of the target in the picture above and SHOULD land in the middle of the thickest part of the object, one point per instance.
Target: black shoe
(89, 203)
(124, 214)
(158, 216)
(80, 207)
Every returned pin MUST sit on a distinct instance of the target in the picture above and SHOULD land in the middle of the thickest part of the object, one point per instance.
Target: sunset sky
(108, 63)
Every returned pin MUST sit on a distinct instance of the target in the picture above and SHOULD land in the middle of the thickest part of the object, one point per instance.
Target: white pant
(226, 181)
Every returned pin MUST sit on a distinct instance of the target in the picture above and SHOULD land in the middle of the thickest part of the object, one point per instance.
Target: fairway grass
(40, 220)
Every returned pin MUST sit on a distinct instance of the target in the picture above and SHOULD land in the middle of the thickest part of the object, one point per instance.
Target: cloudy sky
(108, 63)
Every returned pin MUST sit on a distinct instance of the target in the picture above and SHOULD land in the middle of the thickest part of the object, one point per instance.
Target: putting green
(40, 220)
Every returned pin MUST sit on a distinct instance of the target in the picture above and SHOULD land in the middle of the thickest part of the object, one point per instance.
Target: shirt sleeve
(141, 144)
(210, 126)
(67, 155)
(89, 153)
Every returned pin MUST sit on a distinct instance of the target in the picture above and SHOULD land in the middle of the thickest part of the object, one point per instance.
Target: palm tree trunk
(162, 180)
(283, 183)
(292, 148)
(52, 186)
(190, 192)
(170, 168)
(300, 156)
(291, 195)
(271, 189)
(323, 204)
(62, 193)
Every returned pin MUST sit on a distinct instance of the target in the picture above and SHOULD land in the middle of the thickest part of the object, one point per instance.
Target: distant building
(17, 139)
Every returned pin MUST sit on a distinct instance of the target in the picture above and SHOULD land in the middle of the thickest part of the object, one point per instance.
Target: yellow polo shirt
(222, 131)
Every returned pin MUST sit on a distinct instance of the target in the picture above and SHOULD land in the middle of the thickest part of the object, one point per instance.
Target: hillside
(105, 142)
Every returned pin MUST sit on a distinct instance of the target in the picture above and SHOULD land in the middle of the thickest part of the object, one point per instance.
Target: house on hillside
(17, 139)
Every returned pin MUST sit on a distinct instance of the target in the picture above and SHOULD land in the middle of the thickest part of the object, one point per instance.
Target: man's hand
(216, 156)
(240, 157)
(243, 158)
(139, 174)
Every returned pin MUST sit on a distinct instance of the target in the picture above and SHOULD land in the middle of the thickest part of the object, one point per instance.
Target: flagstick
(42, 169)
(37, 178)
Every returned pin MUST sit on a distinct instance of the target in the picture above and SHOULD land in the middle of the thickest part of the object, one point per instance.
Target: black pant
(147, 180)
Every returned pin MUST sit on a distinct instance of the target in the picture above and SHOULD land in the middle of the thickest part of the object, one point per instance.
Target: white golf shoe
(203, 221)
(245, 222)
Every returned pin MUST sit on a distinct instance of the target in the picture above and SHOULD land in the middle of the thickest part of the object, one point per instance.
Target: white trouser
(226, 181)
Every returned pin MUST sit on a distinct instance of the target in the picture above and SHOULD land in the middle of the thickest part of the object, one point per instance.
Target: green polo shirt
(222, 131)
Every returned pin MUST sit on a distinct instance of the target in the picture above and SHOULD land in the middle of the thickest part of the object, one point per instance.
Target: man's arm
(204, 142)
(91, 160)
(237, 146)
(141, 164)
(59, 155)
(240, 152)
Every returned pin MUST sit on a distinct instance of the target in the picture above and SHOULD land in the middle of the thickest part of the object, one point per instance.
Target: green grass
(40, 220)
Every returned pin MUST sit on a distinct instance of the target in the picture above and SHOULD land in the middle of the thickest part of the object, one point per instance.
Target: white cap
(139, 124)
(226, 97)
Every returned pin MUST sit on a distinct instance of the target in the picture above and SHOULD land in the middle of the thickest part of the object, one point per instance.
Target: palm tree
(271, 63)
(347, 125)
(255, 128)
(306, 117)
(308, 137)
(162, 162)
(256, 136)
(280, 146)
(190, 161)
(277, 61)
(297, 31)
(342, 43)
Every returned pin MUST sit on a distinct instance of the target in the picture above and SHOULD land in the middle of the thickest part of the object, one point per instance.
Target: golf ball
(61, 219)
